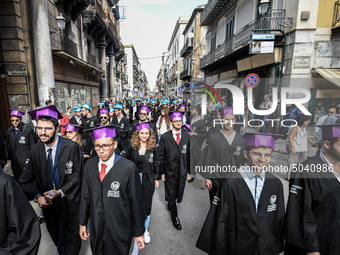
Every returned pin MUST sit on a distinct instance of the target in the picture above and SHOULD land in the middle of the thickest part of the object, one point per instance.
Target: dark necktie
(49, 168)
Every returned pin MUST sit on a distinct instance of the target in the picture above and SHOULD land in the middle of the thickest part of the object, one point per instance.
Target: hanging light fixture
(61, 21)
(263, 7)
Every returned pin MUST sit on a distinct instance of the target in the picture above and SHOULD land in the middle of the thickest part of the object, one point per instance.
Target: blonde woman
(73, 133)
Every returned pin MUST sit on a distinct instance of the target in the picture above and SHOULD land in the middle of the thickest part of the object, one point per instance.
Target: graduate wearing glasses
(104, 117)
(111, 198)
(247, 214)
(174, 153)
(19, 140)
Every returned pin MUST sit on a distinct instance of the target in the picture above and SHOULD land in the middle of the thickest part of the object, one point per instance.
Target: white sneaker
(147, 237)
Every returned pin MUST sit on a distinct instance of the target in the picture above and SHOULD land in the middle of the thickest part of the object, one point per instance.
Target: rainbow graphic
(209, 93)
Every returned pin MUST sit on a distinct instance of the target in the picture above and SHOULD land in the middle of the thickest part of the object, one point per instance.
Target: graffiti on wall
(62, 98)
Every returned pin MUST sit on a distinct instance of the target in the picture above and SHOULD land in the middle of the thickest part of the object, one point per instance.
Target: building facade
(42, 59)
(192, 51)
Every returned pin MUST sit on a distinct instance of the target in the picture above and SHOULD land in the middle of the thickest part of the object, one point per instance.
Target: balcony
(214, 10)
(75, 6)
(70, 47)
(185, 74)
(274, 19)
(336, 15)
(188, 46)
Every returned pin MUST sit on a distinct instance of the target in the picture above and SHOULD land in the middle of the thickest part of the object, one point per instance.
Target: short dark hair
(332, 141)
(301, 118)
(198, 109)
(48, 118)
(48, 102)
(69, 107)
(249, 148)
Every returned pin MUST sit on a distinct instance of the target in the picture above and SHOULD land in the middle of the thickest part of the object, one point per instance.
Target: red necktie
(102, 172)
(178, 138)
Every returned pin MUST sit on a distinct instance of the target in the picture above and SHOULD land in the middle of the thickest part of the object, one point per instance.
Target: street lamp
(263, 6)
(107, 59)
(61, 21)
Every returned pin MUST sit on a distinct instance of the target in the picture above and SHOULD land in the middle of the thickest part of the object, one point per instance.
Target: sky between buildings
(149, 26)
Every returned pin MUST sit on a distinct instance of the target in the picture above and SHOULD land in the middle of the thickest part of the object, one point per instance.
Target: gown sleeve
(136, 200)
(300, 222)
(213, 236)
(23, 226)
(84, 207)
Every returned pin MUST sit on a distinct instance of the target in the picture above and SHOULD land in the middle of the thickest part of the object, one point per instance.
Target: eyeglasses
(259, 155)
(144, 114)
(66, 132)
(105, 147)
(330, 112)
(15, 121)
(103, 118)
(177, 121)
(48, 129)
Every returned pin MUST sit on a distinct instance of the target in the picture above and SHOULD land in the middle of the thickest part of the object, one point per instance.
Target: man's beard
(51, 139)
(334, 153)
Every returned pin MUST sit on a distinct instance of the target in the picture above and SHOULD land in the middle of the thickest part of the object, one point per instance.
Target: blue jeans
(147, 221)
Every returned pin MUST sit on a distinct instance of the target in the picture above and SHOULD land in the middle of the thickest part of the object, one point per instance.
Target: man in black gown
(246, 216)
(174, 153)
(112, 198)
(313, 211)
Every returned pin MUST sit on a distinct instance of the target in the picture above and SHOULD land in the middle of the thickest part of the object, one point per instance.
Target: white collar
(54, 146)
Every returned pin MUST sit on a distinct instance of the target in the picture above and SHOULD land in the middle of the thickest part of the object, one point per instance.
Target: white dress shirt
(249, 178)
(108, 163)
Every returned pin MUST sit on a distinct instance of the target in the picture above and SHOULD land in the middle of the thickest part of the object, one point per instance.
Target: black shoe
(169, 207)
(41, 219)
(176, 223)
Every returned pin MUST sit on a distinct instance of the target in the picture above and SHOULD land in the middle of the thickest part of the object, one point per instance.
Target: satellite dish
(191, 35)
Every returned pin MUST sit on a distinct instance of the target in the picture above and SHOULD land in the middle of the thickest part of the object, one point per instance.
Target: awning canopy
(332, 74)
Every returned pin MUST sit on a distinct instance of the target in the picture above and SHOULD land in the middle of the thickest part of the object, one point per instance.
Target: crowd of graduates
(93, 173)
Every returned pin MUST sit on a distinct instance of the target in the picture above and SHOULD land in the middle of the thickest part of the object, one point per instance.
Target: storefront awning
(332, 75)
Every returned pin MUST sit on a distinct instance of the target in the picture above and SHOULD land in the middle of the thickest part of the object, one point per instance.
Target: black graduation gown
(88, 123)
(123, 129)
(218, 151)
(176, 164)
(150, 173)
(34, 180)
(115, 206)
(234, 227)
(196, 142)
(313, 211)
(19, 225)
(18, 147)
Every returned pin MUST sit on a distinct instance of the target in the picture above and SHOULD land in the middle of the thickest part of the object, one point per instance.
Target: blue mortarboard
(119, 106)
(101, 104)
(110, 105)
(112, 109)
(134, 102)
(87, 106)
(77, 109)
(49, 111)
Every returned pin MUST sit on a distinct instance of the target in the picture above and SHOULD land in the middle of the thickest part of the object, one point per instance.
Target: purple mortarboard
(187, 128)
(182, 106)
(103, 132)
(104, 111)
(49, 111)
(226, 111)
(259, 139)
(72, 127)
(145, 108)
(17, 113)
(330, 131)
(176, 115)
(143, 125)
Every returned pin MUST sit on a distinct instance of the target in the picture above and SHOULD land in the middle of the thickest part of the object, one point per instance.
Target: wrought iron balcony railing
(274, 19)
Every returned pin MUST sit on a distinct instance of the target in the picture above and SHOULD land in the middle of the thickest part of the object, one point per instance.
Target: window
(229, 28)
(213, 42)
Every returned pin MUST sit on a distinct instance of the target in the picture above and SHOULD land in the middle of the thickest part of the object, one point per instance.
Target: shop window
(229, 28)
